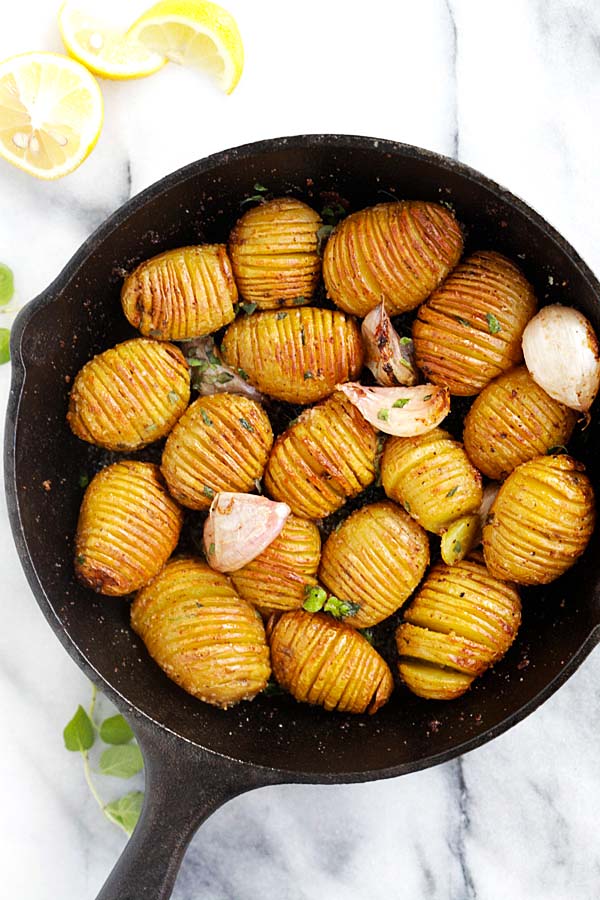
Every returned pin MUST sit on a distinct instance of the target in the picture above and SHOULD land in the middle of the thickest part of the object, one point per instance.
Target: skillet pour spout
(196, 756)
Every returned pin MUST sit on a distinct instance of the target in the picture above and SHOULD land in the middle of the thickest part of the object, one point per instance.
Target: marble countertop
(511, 88)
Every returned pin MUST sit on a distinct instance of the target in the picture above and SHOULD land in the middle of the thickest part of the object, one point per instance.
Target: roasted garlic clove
(514, 420)
(402, 411)
(128, 527)
(390, 358)
(222, 443)
(130, 395)
(326, 456)
(203, 636)
(540, 522)
(322, 661)
(395, 252)
(432, 478)
(296, 355)
(210, 375)
(182, 293)
(276, 581)
(470, 329)
(239, 528)
(274, 251)
(462, 620)
(375, 560)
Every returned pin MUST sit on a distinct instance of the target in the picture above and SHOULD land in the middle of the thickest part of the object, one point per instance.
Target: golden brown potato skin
(395, 252)
(274, 250)
(130, 395)
(203, 636)
(325, 457)
(513, 420)
(470, 329)
(296, 355)
(182, 293)
(375, 559)
(461, 622)
(128, 527)
(325, 662)
(540, 522)
(432, 477)
(221, 444)
(276, 579)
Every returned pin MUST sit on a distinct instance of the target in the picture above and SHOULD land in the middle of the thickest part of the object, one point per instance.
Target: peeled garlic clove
(404, 412)
(561, 352)
(239, 527)
(211, 376)
(389, 357)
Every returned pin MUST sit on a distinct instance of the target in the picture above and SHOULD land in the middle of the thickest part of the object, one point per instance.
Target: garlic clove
(561, 352)
(210, 375)
(490, 492)
(389, 357)
(403, 412)
(239, 527)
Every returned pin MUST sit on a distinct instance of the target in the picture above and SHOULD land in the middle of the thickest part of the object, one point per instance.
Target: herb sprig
(317, 599)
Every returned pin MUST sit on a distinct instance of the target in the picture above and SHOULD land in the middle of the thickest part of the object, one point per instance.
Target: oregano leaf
(79, 734)
(4, 346)
(125, 811)
(122, 762)
(7, 284)
(115, 730)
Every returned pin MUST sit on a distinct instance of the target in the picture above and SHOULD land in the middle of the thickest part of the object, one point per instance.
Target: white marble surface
(512, 88)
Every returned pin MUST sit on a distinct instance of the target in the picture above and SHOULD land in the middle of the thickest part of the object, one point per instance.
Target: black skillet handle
(184, 786)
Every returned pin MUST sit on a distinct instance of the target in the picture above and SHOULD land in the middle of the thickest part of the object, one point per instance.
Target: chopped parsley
(208, 491)
(246, 424)
(248, 308)
(308, 375)
(493, 323)
(452, 491)
(173, 397)
(399, 404)
(224, 377)
(463, 321)
(281, 315)
(206, 418)
(384, 415)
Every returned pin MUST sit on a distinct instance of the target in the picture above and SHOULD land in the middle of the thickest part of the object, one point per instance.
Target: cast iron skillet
(197, 757)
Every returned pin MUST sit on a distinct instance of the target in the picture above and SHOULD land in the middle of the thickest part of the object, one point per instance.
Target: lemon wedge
(51, 113)
(106, 51)
(194, 33)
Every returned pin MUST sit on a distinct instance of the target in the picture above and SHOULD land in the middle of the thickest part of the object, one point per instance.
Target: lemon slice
(51, 113)
(104, 50)
(194, 33)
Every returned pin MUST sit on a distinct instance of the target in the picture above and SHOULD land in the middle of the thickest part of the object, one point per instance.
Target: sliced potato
(540, 522)
(202, 634)
(274, 249)
(128, 527)
(393, 252)
(130, 395)
(325, 662)
(460, 538)
(296, 355)
(181, 294)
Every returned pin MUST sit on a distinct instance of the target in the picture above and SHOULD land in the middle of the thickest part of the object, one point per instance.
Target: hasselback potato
(221, 444)
(128, 527)
(182, 293)
(130, 395)
(202, 634)
(395, 252)
(470, 329)
(296, 355)
(274, 250)
(540, 522)
(277, 579)
(431, 477)
(325, 662)
(461, 621)
(375, 560)
(326, 456)
(513, 420)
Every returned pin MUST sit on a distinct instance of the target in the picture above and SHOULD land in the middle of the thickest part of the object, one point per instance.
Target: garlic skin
(390, 358)
(239, 527)
(561, 352)
(401, 411)
(490, 492)
(210, 375)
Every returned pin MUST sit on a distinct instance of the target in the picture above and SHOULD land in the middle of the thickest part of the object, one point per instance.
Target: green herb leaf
(248, 308)
(427, 397)
(254, 198)
(457, 546)
(405, 340)
(452, 491)
(367, 633)
(84, 480)
(463, 321)
(339, 609)
(332, 213)
(7, 284)
(246, 424)
(122, 762)
(208, 491)
(493, 323)
(173, 397)
(272, 688)
(281, 315)
(399, 404)
(384, 415)
(205, 417)
(80, 559)
(79, 734)
(407, 506)
(4, 346)
(200, 364)
(557, 450)
(299, 301)
(211, 549)
(308, 376)
(315, 598)
(243, 374)
(224, 377)
(213, 358)
(115, 730)
(260, 188)
(125, 811)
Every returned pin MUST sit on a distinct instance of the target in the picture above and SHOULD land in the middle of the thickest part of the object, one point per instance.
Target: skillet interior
(80, 315)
